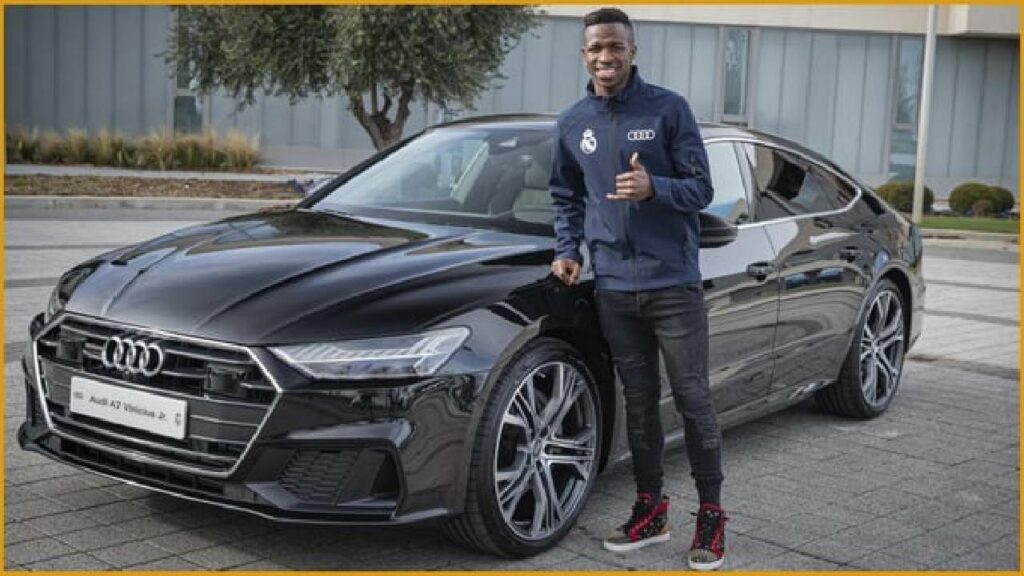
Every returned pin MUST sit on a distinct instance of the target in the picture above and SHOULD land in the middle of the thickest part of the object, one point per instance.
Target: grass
(973, 224)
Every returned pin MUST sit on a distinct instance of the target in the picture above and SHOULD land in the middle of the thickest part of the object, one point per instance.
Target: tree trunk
(382, 129)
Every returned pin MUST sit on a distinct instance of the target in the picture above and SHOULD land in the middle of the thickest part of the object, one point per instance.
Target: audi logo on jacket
(633, 245)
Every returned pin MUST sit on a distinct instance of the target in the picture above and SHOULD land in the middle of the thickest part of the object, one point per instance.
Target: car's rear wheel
(873, 366)
(536, 454)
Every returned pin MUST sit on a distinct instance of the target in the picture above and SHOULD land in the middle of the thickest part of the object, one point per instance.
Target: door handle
(850, 254)
(760, 270)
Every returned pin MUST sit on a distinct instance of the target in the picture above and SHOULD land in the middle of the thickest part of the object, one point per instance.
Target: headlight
(55, 304)
(67, 284)
(394, 357)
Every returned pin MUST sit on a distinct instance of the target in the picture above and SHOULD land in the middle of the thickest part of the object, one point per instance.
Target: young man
(629, 176)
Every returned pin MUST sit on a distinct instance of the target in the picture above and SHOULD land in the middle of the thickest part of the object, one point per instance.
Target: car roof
(708, 130)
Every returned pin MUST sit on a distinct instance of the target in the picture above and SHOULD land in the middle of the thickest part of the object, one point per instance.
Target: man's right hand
(566, 270)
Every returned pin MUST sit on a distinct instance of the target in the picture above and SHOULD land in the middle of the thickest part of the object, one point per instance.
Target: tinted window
(787, 185)
(493, 173)
(730, 201)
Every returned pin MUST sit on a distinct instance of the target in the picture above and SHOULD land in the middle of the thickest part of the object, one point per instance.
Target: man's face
(608, 52)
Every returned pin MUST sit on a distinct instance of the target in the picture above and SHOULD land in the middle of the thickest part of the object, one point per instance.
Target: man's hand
(566, 270)
(634, 185)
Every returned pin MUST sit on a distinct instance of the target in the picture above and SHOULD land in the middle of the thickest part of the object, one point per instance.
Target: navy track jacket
(634, 246)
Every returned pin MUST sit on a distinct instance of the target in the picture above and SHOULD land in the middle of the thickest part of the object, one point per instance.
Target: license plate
(140, 410)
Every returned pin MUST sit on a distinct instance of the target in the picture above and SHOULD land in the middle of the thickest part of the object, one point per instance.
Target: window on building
(735, 69)
(188, 103)
(907, 97)
(730, 201)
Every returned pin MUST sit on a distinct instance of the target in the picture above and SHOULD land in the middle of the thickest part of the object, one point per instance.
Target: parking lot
(933, 483)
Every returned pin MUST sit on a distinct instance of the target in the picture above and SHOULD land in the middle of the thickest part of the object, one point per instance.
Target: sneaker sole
(613, 547)
(705, 565)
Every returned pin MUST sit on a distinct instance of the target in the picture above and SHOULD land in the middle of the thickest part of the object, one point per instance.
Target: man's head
(608, 49)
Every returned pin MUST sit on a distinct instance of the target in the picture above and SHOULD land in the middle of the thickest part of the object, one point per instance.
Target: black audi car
(393, 348)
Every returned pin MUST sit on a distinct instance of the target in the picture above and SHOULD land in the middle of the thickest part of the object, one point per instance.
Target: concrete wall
(892, 18)
(101, 67)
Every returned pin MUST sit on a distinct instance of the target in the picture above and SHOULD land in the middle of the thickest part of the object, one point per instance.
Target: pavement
(931, 484)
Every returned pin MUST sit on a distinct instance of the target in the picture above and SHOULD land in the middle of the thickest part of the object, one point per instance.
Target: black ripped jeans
(673, 320)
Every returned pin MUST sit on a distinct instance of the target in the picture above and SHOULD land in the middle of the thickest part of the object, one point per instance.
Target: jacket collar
(633, 86)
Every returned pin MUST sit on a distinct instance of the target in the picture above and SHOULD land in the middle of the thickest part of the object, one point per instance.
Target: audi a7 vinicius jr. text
(394, 349)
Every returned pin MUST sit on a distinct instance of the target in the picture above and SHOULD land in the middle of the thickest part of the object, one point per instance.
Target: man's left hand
(634, 185)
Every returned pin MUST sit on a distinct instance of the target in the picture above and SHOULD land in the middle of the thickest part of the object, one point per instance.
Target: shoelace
(641, 508)
(707, 524)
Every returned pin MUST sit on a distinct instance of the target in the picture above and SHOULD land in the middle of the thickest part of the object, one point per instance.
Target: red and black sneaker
(707, 551)
(648, 524)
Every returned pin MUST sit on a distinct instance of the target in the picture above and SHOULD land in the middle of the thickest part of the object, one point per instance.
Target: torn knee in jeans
(630, 361)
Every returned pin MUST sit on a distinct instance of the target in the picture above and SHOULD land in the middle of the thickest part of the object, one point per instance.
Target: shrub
(22, 145)
(241, 151)
(156, 151)
(108, 149)
(1004, 199)
(982, 207)
(963, 197)
(900, 195)
(52, 149)
(78, 147)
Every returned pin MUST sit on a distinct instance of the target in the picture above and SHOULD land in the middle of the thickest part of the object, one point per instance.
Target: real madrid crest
(588, 144)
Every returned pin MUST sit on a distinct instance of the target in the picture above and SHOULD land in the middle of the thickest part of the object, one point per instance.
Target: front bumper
(370, 455)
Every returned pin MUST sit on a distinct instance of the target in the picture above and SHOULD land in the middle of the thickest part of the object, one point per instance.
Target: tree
(381, 57)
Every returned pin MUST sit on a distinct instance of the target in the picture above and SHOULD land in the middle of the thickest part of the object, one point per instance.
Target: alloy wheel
(881, 349)
(547, 450)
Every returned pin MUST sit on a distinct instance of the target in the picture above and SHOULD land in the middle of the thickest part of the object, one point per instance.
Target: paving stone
(745, 551)
(832, 550)
(72, 562)
(791, 560)
(95, 538)
(62, 523)
(182, 542)
(90, 498)
(117, 512)
(219, 557)
(22, 511)
(173, 563)
(150, 526)
(130, 553)
(35, 550)
(882, 561)
(15, 532)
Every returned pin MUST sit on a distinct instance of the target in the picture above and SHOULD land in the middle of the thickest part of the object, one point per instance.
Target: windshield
(496, 173)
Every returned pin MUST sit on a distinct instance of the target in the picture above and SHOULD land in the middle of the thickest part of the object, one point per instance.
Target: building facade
(844, 80)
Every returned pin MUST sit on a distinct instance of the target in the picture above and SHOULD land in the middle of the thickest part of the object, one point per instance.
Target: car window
(730, 200)
(787, 185)
(496, 173)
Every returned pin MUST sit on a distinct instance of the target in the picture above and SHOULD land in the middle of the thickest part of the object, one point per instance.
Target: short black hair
(608, 16)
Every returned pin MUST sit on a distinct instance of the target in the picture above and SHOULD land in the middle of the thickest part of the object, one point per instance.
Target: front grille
(222, 419)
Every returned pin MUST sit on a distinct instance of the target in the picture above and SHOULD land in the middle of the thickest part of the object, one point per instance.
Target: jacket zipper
(615, 166)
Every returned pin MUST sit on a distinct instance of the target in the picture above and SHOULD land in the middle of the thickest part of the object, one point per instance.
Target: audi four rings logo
(133, 355)
(635, 135)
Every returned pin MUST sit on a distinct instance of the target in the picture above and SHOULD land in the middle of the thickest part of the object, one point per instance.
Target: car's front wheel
(536, 453)
(873, 366)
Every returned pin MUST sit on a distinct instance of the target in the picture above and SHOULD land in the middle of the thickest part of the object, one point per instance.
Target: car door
(742, 305)
(742, 301)
(822, 261)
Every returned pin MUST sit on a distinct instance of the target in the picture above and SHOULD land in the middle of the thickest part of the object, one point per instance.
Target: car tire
(873, 366)
(517, 464)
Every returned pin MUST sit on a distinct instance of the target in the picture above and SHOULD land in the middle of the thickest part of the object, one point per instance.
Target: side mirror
(714, 231)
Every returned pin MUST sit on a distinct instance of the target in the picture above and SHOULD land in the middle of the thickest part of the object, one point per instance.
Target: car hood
(305, 276)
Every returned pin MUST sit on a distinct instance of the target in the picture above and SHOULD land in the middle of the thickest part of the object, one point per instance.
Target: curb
(944, 234)
(137, 203)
